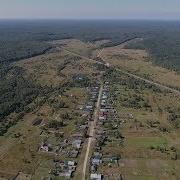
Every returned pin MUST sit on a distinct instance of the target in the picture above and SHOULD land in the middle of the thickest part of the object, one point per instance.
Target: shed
(96, 176)
(77, 143)
(96, 161)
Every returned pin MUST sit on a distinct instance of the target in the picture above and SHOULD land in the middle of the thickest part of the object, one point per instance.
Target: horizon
(90, 10)
(71, 19)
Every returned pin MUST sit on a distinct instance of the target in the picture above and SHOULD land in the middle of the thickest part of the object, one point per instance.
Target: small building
(107, 65)
(102, 118)
(103, 110)
(96, 161)
(93, 168)
(66, 174)
(104, 96)
(45, 147)
(83, 127)
(103, 103)
(115, 159)
(96, 176)
(64, 169)
(97, 155)
(73, 154)
(71, 163)
(77, 143)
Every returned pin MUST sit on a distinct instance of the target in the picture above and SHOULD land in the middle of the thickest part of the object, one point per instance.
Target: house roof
(96, 176)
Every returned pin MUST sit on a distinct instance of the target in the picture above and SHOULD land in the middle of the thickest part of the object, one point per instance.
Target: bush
(55, 124)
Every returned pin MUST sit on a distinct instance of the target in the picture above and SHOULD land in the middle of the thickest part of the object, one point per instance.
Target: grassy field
(145, 142)
(138, 62)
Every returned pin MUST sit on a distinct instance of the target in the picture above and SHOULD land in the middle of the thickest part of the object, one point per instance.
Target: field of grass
(145, 142)
(138, 62)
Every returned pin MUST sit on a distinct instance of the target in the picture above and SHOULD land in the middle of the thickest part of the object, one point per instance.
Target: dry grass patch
(138, 62)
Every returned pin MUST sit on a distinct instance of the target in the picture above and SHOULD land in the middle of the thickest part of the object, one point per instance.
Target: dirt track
(177, 92)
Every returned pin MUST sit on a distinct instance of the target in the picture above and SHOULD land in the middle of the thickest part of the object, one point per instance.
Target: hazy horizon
(90, 9)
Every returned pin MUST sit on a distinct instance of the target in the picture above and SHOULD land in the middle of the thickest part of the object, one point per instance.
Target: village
(67, 151)
(96, 132)
(106, 115)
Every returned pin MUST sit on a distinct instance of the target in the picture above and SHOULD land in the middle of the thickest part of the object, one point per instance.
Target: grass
(140, 177)
(139, 62)
(145, 142)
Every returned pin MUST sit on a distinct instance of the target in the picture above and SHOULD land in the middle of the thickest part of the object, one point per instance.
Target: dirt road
(150, 82)
(91, 134)
(173, 90)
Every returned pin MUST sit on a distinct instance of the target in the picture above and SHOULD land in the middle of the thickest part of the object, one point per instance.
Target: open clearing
(138, 62)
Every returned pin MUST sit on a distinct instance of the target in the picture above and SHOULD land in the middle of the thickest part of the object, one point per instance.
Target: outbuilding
(96, 176)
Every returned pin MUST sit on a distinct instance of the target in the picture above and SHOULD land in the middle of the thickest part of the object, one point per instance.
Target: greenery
(55, 124)
(18, 95)
(26, 39)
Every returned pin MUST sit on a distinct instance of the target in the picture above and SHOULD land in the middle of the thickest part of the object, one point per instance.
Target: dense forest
(16, 92)
(21, 39)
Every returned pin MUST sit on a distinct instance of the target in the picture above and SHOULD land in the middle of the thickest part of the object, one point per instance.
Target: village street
(91, 133)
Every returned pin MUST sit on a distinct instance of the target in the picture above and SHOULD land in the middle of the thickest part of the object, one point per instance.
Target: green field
(145, 142)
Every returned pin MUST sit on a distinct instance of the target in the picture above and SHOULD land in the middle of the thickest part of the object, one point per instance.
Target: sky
(90, 9)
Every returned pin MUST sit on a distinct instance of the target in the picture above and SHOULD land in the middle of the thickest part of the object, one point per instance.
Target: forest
(20, 39)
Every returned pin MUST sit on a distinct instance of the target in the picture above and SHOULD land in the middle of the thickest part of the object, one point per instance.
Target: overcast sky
(90, 9)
